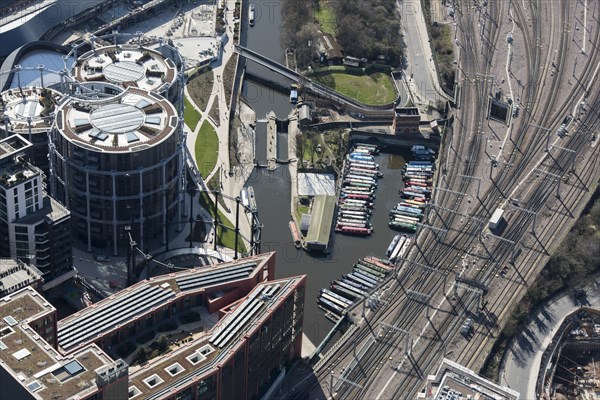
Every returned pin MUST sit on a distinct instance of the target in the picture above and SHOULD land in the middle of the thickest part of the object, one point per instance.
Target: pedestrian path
(230, 185)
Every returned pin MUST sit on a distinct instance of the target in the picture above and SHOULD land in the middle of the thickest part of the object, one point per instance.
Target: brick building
(259, 332)
(406, 120)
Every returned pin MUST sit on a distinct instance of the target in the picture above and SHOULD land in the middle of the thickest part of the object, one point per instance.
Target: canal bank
(273, 193)
(273, 189)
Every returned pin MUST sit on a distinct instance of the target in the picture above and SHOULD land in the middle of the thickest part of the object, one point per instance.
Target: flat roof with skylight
(198, 358)
(33, 362)
(131, 121)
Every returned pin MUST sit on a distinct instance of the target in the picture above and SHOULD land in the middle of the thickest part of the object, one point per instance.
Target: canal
(273, 189)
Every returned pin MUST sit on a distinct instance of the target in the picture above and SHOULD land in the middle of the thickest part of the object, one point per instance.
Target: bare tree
(300, 146)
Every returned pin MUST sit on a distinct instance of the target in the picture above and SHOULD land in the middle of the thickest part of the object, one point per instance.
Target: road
(420, 72)
(525, 353)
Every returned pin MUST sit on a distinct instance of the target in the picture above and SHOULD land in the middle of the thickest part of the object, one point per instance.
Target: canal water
(272, 191)
(273, 188)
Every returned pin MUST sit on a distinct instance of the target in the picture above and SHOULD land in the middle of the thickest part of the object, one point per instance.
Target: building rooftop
(33, 361)
(134, 120)
(126, 65)
(200, 357)
(16, 11)
(136, 301)
(52, 211)
(15, 274)
(13, 168)
(407, 111)
(12, 146)
(321, 220)
(17, 107)
(453, 381)
(313, 184)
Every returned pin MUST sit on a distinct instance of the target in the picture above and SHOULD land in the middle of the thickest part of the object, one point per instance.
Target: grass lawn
(207, 149)
(301, 209)
(375, 88)
(225, 228)
(200, 86)
(191, 116)
(326, 18)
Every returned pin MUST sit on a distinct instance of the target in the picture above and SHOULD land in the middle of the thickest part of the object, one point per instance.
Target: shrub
(141, 355)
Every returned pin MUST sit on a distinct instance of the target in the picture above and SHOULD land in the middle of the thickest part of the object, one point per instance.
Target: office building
(453, 381)
(32, 368)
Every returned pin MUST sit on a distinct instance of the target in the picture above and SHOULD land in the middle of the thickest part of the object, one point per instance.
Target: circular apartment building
(115, 162)
(30, 112)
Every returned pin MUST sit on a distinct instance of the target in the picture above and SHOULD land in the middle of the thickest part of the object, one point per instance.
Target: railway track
(379, 343)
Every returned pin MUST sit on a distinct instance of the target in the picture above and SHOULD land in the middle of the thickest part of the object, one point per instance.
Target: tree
(141, 355)
(300, 146)
(314, 139)
(162, 344)
(306, 43)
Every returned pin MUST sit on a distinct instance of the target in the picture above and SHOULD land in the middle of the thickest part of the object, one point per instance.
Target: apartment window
(20, 229)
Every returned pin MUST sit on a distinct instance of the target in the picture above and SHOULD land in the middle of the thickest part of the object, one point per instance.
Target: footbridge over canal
(317, 89)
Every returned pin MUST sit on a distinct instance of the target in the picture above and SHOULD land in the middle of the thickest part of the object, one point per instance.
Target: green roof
(321, 221)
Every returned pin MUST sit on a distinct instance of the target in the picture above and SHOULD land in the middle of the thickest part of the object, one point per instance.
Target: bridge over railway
(315, 88)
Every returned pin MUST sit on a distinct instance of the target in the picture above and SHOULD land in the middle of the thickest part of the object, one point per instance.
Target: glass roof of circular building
(124, 71)
(28, 108)
(117, 118)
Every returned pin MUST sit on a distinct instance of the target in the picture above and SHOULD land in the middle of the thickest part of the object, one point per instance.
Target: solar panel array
(243, 314)
(95, 321)
(220, 275)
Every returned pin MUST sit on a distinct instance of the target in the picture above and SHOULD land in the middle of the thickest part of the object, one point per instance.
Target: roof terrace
(127, 65)
(201, 356)
(135, 302)
(34, 362)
